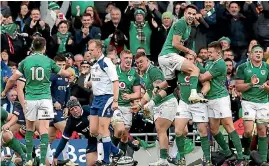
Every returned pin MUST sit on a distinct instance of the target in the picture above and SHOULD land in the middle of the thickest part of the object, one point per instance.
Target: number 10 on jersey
(37, 73)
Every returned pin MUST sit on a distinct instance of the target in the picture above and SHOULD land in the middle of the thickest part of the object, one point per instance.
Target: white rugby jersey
(103, 73)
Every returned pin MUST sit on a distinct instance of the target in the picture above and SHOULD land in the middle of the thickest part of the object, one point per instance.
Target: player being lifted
(164, 111)
(252, 79)
(171, 61)
(129, 90)
(219, 104)
(187, 111)
(37, 69)
(105, 87)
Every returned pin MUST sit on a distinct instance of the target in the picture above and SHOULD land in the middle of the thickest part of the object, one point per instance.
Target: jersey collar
(254, 66)
(101, 57)
(120, 69)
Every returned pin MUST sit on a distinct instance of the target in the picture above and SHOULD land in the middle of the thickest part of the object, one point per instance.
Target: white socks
(65, 152)
(100, 151)
(174, 150)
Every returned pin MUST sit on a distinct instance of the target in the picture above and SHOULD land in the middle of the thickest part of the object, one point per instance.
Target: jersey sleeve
(202, 69)
(54, 67)
(179, 28)
(267, 66)
(240, 72)
(155, 74)
(137, 80)
(110, 69)
(68, 130)
(217, 69)
(86, 110)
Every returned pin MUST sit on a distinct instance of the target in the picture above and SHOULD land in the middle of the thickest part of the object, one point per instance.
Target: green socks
(193, 82)
(246, 141)
(206, 147)
(180, 141)
(263, 148)
(43, 148)
(29, 144)
(15, 145)
(23, 147)
(163, 154)
(221, 141)
(123, 147)
(237, 144)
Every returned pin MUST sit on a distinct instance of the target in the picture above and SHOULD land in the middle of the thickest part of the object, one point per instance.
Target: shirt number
(37, 73)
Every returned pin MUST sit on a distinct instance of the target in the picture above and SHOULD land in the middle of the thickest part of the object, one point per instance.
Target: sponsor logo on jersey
(187, 79)
(122, 85)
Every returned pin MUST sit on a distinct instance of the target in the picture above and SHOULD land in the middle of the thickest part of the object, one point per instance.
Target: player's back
(37, 70)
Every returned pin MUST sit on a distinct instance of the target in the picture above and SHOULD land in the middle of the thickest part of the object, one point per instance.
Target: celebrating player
(165, 110)
(37, 69)
(105, 87)
(129, 90)
(187, 111)
(252, 80)
(219, 104)
(170, 61)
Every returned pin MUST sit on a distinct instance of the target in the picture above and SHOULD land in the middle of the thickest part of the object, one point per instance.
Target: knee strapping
(172, 85)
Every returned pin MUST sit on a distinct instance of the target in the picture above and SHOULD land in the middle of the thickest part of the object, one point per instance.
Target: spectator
(261, 27)
(117, 22)
(13, 67)
(4, 56)
(61, 42)
(23, 17)
(160, 31)
(202, 53)
(228, 54)
(96, 21)
(178, 10)
(87, 32)
(87, 57)
(118, 40)
(109, 8)
(5, 74)
(239, 26)
(5, 9)
(37, 25)
(11, 98)
(225, 43)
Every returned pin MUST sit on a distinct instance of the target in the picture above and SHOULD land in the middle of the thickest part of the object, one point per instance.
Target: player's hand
(5, 127)
(57, 105)
(54, 162)
(264, 86)
(149, 106)
(126, 96)
(115, 105)
(254, 79)
(192, 52)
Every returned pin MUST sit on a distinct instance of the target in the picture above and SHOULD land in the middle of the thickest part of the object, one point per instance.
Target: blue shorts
(58, 117)
(101, 106)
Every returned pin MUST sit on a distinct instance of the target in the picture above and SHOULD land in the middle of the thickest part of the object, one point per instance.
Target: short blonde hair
(125, 52)
(98, 43)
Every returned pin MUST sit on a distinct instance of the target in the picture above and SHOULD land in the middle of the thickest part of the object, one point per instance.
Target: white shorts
(255, 111)
(127, 116)
(197, 112)
(169, 64)
(219, 108)
(166, 110)
(38, 109)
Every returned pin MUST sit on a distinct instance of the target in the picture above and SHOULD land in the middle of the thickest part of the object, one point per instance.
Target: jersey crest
(130, 78)
(263, 72)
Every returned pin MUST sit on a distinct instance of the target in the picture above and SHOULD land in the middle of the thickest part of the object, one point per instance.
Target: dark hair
(111, 48)
(174, 7)
(35, 9)
(20, 11)
(63, 22)
(110, 3)
(120, 37)
(86, 15)
(96, 19)
(192, 7)
(229, 50)
(141, 48)
(228, 60)
(10, 63)
(202, 48)
(59, 58)
(215, 44)
(235, 3)
(39, 43)
(140, 54)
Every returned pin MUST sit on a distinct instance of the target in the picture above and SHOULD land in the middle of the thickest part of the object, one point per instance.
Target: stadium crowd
(137, 28)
